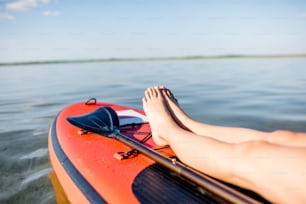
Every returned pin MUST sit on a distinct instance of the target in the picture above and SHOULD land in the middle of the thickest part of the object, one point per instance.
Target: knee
(282, 132)
(245, 148)
(281, 136)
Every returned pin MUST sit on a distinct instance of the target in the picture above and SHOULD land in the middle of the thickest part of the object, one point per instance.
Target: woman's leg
(275, 171)
(229, 134)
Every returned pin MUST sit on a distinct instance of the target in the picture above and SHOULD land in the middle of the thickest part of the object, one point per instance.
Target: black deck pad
(157, 184)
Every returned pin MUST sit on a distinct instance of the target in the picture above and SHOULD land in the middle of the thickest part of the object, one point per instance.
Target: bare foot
(160, 119)
(176, 111)
(169, 94)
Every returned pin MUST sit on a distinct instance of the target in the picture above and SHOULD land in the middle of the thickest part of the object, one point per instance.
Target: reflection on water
(265, 94)
(58, 190)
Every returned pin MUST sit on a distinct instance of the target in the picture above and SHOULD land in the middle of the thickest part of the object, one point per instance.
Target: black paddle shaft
(202, 180)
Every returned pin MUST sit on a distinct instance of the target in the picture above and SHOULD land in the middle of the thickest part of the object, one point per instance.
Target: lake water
(264, 94)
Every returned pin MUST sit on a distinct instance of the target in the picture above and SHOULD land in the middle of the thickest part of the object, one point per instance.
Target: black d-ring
(92, 101)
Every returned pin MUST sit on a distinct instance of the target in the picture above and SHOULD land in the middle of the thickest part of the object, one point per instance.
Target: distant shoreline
(150, 59)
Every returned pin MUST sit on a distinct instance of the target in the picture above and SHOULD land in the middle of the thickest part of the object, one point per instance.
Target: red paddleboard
(92, 168)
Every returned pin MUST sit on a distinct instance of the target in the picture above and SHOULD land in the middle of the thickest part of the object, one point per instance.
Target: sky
(33, 30)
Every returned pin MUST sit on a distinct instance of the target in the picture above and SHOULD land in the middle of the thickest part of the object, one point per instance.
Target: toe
(144, 100)
(148, 93)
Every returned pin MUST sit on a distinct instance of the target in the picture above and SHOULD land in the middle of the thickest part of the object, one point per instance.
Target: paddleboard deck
(96, 169)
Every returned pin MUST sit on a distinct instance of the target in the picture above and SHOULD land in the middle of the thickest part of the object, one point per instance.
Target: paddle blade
(103, 121)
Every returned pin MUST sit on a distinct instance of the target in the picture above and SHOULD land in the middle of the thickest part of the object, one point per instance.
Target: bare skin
(254, 164)
(230, 134)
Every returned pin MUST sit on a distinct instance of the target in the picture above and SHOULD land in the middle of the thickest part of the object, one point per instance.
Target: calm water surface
(264, 94)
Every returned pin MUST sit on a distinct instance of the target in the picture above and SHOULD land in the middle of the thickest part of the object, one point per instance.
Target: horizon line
(122, 59)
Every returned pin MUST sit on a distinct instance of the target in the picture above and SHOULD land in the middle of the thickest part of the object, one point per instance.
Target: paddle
(105, 122)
